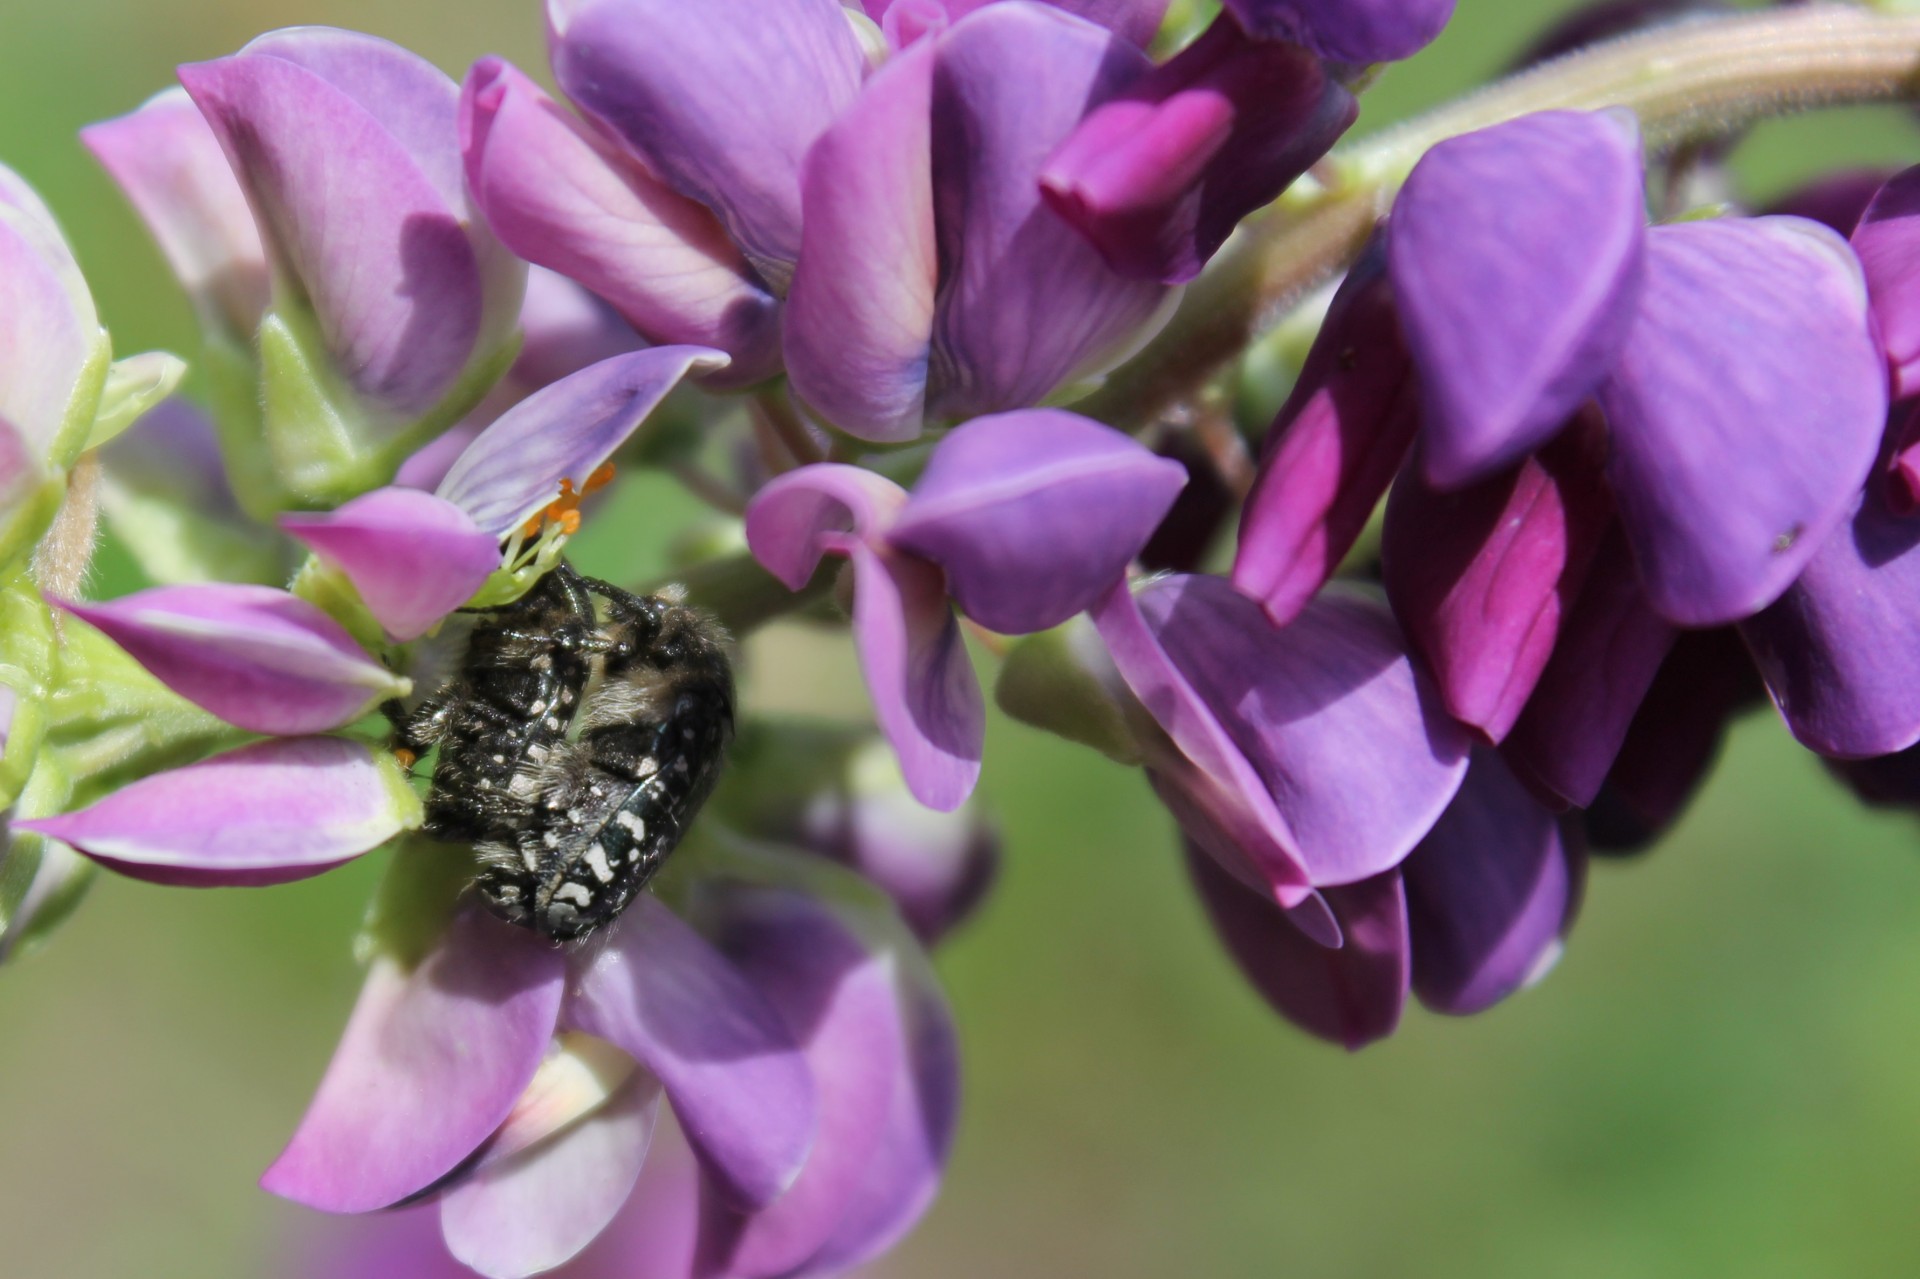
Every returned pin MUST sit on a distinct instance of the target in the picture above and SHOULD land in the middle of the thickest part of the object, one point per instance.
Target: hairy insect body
(609, 773)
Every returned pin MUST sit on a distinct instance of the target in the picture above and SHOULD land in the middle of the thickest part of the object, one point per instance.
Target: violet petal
(560, 196)
(738, 1082)
(1332, 450)
(413, 557)
(1610, 648)
(169, 164)
(1351, 996)
(1517, 253)
(860, 315)
(431, 1062)
(1026, 304)
(1034, 514)
(564, 431)
(1489, 891)
(48, 328)
(1302, 702)
(790, 519)
(538, 1209)
(1746, 410)
(259, 658)
(1887, 240)
(1347, 30)
(720, 99)
(1481, 578)
(1159, 177)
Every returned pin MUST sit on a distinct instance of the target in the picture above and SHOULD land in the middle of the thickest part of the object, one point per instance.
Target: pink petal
(413, 557)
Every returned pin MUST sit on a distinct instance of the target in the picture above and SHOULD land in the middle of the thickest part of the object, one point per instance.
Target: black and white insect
(579, 736)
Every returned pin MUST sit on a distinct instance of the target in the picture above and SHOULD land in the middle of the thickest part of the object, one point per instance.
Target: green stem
(1688, 82)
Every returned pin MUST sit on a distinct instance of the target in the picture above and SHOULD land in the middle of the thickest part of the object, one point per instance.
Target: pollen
(406, 758)
(564, 510)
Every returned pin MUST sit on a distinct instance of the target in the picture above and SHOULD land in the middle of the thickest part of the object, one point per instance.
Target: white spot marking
(597, 863)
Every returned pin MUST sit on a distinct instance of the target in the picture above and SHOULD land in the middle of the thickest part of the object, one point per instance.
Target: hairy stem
(1686, 83)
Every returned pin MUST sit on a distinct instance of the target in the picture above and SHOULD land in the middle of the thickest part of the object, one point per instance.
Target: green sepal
(110, 722)
(231, 377)
(28, 858)
(133, 386)
(1063, 681)
(27, 668)
(415, 901)
(325, 448)
(83, 406)
(330, 590)
(173, 540)
(27, 520)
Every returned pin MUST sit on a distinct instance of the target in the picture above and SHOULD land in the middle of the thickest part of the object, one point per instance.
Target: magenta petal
(1137, 20)
(836, 993)
(1746, 410)
(1488, 891)
(169, 164)
(1026, 303)
(431, 1062)
(1034, 514)
(1347, 30)
(1303, 702)
(372, 242)
(1158, 178)
(48, 328)
(259, 658)
(1332, 451)
(263, 814)
(721, 99)
(1352, 995)
(1838, 650)
(538, 1209)
(738, 1082)
(1517, 255)
(564, 431)
(1610, 648)
(791, 520)
(860, 315)
(1887, 241)
(560, 196)
(413, 557)
(925, 696)
(1481, 578)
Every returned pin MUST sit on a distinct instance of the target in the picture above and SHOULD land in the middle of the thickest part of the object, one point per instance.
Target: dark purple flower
(1346, 30)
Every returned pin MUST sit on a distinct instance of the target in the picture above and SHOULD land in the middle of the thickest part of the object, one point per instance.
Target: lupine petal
(791, 517)
(558, 195)
(1158, 178)
(836, 993)
(1302, 702)
(431, 1062)
(566, 328)
(1482, 578)
(538, 1209)
(721, 99)
(1026, 304)
(1347, 30)
(1034, 514)
(413, 557)
(1331, 451)
(1136, 20)
(1837, 648)
(1213, 790)
(259, 658)
(1351, 996)
(47, 325)
(1672, 742)
(169, 164)
(1887, 241)
(860, 316)
(564, 431)
(1610, 648)
(738, 1082)
(263, 814)
(1517, 254)
(1837, 200)
(1489, 891)
(1746, 410)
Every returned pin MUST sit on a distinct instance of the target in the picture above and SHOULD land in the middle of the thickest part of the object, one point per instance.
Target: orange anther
(406, 757)
(569, 522)
(601, 477)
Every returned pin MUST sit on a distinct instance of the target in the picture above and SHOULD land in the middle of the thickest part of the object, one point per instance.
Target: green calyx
(1062, 681)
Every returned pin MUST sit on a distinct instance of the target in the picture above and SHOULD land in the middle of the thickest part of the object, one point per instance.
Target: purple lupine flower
(1358, 31)
(1024, 518)
(798, 1038)
(1134, 20)
(1255, 727)
(1474, 913)
(1159, 177)
(347, 148)
(267, 661)
(169, 164)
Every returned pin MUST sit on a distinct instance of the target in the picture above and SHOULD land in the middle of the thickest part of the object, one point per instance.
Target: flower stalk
(1685, 83)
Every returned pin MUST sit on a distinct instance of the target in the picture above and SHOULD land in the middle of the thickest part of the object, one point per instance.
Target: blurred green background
(1722, 1077)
